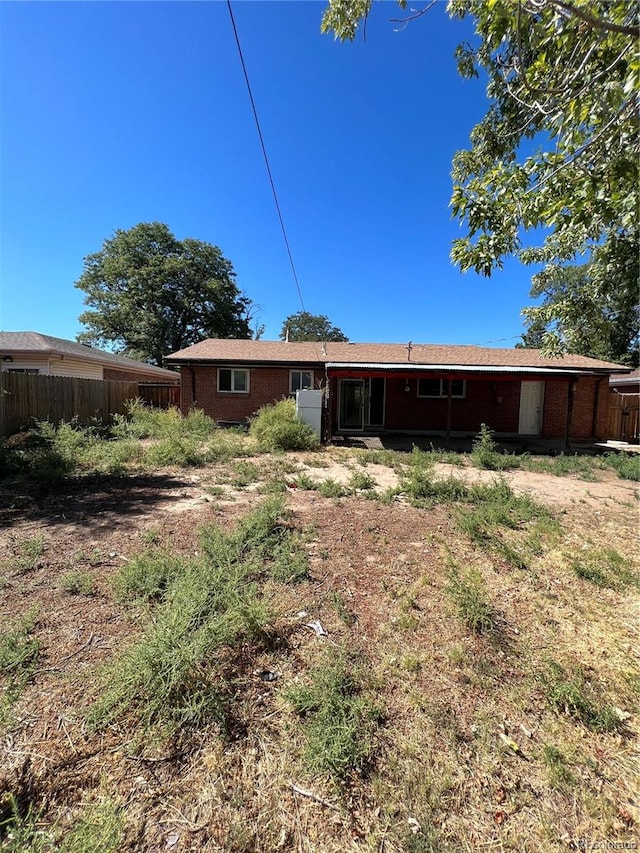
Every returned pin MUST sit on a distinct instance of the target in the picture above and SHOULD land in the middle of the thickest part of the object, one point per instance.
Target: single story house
(626, 383)
(32, 352)
(419, 388)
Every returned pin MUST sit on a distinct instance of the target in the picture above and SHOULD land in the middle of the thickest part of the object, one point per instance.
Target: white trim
(300, 370)
(233, 371)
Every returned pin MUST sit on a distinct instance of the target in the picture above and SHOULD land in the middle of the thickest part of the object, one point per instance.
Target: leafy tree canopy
(150, 294)
(556, 154)
(304, 326)
(571, 313)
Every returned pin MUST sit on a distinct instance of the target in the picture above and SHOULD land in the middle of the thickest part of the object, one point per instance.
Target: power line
(264, 152)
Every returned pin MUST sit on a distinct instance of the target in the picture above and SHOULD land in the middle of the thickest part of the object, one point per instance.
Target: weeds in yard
(244, 473)
(339, 719)
(469, 595)
(604, 567)
(330, 488)
(424, 489)
(556, 763)
(77, 582)
(147, 576)
(19, 651)
(572, 694)
(20, 831)
(342, 610)
(277, 428)
(626, 465)
(493, 508)
(99, 829)
(304, 481)
(26, 555)
(361, 481)
(485, 453)
(173, 676)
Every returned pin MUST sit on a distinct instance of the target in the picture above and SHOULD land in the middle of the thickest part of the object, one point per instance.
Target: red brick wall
(266, 385)
(113, 375)
(496, 404)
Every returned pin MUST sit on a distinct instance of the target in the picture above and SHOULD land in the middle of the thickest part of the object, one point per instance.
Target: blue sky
(126, 112)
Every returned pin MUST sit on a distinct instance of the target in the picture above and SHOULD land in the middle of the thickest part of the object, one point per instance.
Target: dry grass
(470, 743)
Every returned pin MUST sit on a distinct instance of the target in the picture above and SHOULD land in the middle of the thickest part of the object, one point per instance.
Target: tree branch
(596, 23)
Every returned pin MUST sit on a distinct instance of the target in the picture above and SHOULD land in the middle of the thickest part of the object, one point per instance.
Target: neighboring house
(413, 388)
(31, 352)
(626, 383)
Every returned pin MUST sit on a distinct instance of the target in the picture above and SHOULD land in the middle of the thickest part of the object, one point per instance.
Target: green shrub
(340, 720)
(276, 427)
(76, 582)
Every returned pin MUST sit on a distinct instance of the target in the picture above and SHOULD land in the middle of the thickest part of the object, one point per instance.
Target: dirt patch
(379, 586)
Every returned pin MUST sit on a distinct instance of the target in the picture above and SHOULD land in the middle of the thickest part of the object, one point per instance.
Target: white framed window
(300, 380)
(233, 380)
(438, 387)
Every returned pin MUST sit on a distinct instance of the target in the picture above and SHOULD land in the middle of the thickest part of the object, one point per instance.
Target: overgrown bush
(276, 427)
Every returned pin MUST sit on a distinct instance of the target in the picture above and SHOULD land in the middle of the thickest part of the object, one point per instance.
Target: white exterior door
(531, 399)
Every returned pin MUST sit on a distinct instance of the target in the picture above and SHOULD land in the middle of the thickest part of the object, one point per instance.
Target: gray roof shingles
(35, 342)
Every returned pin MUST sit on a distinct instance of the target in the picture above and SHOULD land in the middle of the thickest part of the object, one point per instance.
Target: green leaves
(304, 326)
(150, 294)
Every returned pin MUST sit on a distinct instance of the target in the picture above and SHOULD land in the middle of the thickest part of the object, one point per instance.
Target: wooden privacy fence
(160, 396)
(24, 397)
(624, 417)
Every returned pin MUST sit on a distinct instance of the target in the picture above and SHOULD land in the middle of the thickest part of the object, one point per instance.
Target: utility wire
(264, 152)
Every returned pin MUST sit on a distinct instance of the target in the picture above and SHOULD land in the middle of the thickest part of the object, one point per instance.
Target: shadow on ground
(92, 501)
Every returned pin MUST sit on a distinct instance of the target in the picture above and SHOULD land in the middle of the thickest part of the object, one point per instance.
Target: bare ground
(447, 694)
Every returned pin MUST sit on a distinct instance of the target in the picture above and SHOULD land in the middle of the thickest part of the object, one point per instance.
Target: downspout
(596, 400)
(567, 436)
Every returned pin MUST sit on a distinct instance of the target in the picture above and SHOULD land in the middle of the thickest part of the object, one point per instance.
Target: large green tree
(606, 328)
(551, 176)
(304, 326)
(150, 294)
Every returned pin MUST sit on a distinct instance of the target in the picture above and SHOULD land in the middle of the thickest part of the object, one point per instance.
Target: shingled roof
(35, 343)
(214, 350)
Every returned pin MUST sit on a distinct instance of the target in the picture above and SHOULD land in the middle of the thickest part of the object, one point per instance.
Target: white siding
(75, 367)
(26, 363)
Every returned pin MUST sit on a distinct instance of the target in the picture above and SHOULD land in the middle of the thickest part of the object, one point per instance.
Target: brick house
(32, 352)
(417, 388)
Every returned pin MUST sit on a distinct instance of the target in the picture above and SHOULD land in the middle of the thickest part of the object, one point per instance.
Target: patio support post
(448, 435)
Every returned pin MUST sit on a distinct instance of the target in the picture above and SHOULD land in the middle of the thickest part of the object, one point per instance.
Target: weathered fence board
(624, 417)
(25, 397)
(160, 396)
